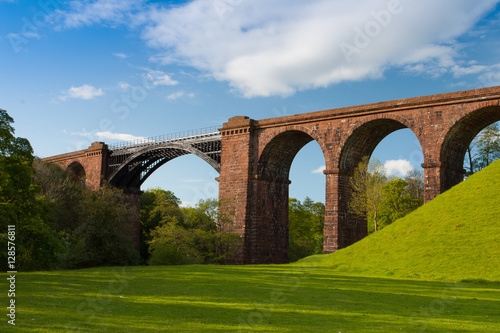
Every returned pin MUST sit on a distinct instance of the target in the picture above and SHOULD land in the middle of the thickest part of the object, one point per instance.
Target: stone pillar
(234, 194)
(432, 180)
(96, 164)
(342, 228)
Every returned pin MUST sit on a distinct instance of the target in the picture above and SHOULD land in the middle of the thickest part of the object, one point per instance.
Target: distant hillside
(453, 237)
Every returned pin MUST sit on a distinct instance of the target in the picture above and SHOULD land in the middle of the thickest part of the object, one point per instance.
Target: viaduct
(254, 157)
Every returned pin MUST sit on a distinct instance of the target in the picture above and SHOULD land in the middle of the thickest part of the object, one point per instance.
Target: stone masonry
(256, 156)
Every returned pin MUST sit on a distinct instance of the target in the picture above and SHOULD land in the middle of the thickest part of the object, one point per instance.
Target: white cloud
(87, 12)
(265, 48)
(83, 92)
(176, 95)
(118, 136)
(120, 55)
(398, 168)
(159, 78)
(93, 136)
(319, 170)
(124, 86)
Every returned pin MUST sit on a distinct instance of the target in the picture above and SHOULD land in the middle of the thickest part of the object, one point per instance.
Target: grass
(453, 237)
(434, 271)
(272, 298)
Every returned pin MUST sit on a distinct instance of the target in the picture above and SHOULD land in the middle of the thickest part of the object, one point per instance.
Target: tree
(157, 207)
(484, 149)
(198, 236)
(306, 224)
(367, 194)
(37, 244)
(415, 181)
(398, 201)
(93, 226)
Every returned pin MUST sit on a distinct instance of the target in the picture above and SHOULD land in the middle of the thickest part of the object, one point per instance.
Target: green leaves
(381, 200)
(306, 223)
(174, 236)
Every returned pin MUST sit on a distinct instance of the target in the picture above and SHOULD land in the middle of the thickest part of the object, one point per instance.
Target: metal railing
(180, 136)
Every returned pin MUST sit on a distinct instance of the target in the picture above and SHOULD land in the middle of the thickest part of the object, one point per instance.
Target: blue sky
(74, 72)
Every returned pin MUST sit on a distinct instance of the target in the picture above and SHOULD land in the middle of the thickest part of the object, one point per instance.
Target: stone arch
(456, 137)
(362, 139)
(141, 164)
(76, 171)
(280, 148)
(270, 234)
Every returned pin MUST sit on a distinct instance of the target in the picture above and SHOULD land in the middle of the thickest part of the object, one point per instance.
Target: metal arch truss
(130, 166)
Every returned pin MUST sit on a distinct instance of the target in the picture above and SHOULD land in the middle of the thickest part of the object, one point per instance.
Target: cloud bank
(267, 48)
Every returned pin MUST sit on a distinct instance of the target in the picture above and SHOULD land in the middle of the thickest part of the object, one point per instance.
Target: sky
(75, 72)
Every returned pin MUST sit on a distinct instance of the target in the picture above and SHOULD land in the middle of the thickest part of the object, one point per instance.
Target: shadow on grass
(248, 298)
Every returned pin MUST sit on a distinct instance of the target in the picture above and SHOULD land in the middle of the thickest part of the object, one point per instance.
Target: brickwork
(257, 155)
(92, 160)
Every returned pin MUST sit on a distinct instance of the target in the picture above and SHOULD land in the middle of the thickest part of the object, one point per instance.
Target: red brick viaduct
(256, 155)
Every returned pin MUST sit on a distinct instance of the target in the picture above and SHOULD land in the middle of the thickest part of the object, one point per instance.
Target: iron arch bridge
(131, 163)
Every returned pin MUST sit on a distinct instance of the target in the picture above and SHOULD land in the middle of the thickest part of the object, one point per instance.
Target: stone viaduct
(254, 159)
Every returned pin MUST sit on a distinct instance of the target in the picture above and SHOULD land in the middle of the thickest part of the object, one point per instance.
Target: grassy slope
(453, 237)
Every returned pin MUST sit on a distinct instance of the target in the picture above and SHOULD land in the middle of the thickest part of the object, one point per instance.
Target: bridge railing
(180, 136)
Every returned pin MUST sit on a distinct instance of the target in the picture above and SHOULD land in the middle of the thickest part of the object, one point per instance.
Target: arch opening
(136, 168)
(457, 141)
(364, 141)
(76, 172)
(272, 237)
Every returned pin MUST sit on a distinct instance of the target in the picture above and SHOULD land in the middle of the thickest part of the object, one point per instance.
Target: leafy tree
(484, 149)
(199, 236)
(102, 237)
(37, 244)
(415, 180)
(398, 202)
(93, 225)
(306, 224)
(367, 194)
(157, 207)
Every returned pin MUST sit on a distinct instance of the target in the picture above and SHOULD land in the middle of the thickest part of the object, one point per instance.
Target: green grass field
(437, 270)
(275, 298)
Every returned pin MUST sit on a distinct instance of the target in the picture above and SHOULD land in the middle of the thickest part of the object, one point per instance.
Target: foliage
(93, 226)
(484, 149)
(382, 200)
(398, 202)
(157, 207)
(250, 298)
(102, 237)
(452, 237)
(367, 194)
(306, 223)
(187, 235)
(36, 242)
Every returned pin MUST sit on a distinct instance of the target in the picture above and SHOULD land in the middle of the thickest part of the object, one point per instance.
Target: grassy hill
(453, 237)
